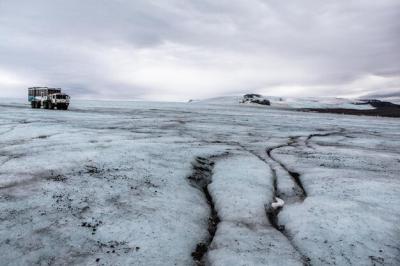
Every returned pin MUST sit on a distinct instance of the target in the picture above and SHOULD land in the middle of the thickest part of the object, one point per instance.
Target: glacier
(108, 183)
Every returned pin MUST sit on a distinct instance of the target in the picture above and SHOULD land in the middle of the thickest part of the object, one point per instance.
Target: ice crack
(201, 178)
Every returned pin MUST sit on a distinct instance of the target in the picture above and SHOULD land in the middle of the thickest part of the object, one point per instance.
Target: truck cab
(49, 98)
(59, 100)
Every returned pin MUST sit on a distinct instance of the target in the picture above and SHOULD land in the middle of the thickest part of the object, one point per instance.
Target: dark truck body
(49, 98)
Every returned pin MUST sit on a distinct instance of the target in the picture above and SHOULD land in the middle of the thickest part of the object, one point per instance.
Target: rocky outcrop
(255, 98)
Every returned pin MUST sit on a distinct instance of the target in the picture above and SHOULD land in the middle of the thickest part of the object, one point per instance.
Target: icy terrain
(136, 183)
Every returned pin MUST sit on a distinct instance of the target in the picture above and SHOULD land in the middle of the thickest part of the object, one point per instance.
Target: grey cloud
(383, 95)
(235, 45)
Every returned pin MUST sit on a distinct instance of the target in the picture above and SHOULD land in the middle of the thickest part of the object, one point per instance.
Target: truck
(48, 98)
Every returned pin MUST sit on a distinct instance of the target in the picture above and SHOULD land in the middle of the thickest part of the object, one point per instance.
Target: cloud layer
(176, 50)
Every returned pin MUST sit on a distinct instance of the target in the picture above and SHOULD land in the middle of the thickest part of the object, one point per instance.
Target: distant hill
(381, 108)
(290, 102)
(362, 106)
(392, 96)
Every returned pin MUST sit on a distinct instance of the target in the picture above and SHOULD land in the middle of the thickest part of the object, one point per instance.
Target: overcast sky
(183, 49)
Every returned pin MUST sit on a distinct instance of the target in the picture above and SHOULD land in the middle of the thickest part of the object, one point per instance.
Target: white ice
(107, 183)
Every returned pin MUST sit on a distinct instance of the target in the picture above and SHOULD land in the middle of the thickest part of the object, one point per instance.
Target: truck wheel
(39, 104)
